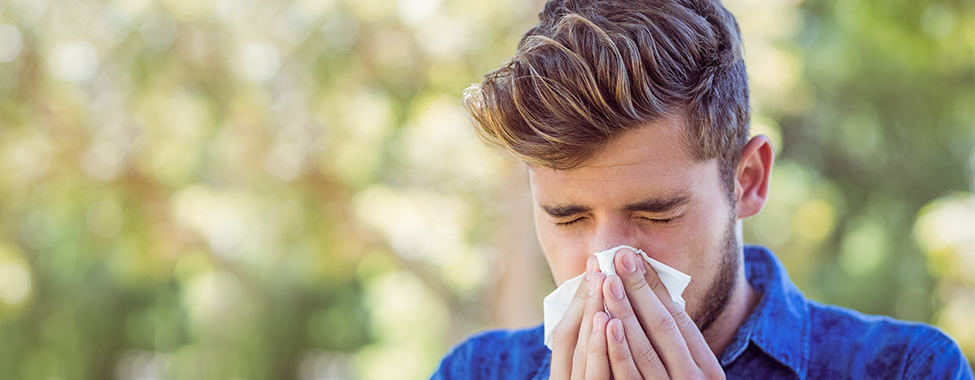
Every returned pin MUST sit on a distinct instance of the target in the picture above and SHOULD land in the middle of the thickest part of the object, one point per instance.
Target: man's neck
(743, 300)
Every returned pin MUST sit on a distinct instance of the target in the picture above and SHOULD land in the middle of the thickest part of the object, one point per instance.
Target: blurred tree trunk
(515, 298)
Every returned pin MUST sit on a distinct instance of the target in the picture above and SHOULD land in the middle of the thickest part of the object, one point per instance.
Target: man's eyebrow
(562, 211)
(657, 205)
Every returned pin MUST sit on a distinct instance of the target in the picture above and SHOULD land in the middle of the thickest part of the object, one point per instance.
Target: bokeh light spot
(944, 231)
(11, 43)
(211, 297)
(937, 21)
(814, 220)
(766, 126)
(863, 248)
(104, 219)
(414, 11)
(325, 365)
(286, 219)
(340, 31)
(258, 61)
(15, 283)
(159, 32)
(74, 62)
(32, 155)
(773, 226)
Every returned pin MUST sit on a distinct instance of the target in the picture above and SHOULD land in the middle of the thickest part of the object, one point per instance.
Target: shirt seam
(546, 364)
(929, 352)
(773, 347)
(806, 332)
(747, 334)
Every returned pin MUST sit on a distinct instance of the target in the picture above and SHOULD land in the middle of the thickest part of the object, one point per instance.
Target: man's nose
(613, 232)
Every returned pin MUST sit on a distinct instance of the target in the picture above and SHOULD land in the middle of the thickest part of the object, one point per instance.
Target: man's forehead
(640, 155)
(595, 189)
(622, 186)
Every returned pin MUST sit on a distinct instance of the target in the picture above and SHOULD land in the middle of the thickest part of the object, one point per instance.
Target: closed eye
(659, 221)
(569, 223)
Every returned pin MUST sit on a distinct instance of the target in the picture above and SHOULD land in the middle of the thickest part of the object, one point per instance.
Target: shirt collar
(780, 324)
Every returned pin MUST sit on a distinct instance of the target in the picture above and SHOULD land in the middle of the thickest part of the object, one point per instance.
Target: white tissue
(557, 303)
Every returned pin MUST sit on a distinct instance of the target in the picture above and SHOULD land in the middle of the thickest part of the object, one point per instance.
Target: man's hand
(645, 335)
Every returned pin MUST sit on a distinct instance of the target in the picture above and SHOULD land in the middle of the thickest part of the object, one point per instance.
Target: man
(633, 118)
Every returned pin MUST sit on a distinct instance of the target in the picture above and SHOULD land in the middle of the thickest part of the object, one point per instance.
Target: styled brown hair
(592, 70)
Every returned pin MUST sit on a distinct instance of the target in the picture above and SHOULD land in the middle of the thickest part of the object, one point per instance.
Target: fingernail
(628, 262)
(616, 287)
(595, 325)
(592, 288)
(618, 332)
(643, 265)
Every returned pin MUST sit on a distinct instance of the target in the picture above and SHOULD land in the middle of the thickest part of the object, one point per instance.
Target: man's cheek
(566, 256)
(668, 246)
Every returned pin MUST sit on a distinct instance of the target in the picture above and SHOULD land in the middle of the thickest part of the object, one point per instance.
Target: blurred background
(256, 189)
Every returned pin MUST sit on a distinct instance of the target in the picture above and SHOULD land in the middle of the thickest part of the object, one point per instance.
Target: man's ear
(752, 176)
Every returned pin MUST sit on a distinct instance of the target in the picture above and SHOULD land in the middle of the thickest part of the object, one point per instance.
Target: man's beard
(723, 287)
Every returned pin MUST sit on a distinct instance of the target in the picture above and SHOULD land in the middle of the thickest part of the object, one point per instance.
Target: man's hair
(591, 71)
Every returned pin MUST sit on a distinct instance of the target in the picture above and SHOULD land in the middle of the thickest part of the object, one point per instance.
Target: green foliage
(885, 129)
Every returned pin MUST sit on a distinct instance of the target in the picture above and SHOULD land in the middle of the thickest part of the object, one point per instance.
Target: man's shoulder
(851, 326)
(496, 354)
(504, 340)
(844, 340)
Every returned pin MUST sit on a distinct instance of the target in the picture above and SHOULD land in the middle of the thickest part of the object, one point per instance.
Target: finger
(597, 361)
(594, 303)
(620, 357)
(645, 357)
(700, 351)
(566, 333)
(656, 320)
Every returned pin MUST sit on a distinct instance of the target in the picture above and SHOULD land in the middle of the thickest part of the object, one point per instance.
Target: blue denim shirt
(786, 337)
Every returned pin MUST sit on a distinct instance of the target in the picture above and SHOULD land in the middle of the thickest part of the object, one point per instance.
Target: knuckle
(578, 360)
(638, 283)
(625, 312)
(593, 349)
(583, 291)
(656, 286)
(594, 299)
(649, 355)
(714, 373)
(620, 355)
(682, 319)
(593, 306)
(621, 310)
(667, 324)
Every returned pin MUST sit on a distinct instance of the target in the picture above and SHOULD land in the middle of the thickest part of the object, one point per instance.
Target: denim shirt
(786, 337)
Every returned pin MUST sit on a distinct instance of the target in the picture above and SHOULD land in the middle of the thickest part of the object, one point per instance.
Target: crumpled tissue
(557, 303)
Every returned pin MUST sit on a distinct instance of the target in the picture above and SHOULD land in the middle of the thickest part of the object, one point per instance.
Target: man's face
(645, 190)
